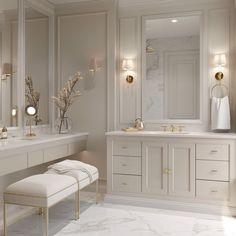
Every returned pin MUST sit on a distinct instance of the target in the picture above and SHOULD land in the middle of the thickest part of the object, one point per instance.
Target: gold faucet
(172, 128)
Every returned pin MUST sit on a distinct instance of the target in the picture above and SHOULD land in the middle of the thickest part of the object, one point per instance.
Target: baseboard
(171, 205)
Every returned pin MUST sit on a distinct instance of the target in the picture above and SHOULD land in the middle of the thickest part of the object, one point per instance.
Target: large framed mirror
(171, 84)
(8, 63)
(37, 62)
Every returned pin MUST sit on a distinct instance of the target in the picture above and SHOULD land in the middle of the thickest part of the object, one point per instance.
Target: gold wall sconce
(128, 66)
(93, 65)
(219, 61)
(14, 115)
(6, 71)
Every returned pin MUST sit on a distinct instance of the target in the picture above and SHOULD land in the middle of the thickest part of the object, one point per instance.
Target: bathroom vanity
(182, 167)
(21, 152)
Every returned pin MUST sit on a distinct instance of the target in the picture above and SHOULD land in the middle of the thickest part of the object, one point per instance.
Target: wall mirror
(171, 69)
(37, 63)
(8, 62)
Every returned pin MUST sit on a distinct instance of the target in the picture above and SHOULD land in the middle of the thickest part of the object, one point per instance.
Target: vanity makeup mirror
(8, 62)
(37, 63)
(171, 69)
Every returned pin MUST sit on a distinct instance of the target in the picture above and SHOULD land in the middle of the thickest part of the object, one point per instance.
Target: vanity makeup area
(27, 50)
(176, 162)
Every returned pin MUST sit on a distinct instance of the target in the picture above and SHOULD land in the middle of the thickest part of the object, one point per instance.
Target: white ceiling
(164, 28)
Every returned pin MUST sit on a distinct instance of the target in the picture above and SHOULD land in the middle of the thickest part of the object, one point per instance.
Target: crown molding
(133, 3)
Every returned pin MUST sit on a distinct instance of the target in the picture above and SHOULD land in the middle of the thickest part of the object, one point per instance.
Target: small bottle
(4, 133)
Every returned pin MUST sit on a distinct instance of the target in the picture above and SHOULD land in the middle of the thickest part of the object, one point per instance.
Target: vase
(63, 125)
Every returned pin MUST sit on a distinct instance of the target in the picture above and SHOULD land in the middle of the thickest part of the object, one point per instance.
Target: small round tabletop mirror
(30, 110)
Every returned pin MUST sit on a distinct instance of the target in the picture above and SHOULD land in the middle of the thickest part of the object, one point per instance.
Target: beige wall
(82, 37)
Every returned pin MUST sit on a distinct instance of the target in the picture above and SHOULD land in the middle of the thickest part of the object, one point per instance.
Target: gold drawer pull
(124, 165)
(214, 191)
(124, 184)
(124, 147)
(214, 171)
(214, 151)
(167, 171)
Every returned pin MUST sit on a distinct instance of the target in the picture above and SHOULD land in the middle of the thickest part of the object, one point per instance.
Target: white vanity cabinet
(20, 154)
(199, 168)
(181, 169)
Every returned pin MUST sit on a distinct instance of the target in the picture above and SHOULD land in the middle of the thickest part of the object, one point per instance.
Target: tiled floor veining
(122, 220)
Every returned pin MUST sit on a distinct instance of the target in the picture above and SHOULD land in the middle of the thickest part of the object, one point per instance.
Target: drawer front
(126, 183)
(213, 170)
(212, 190)
(126, 165)
(129, 148)
(35, 158)
(213, 151)
(55, 152)
(13, 163)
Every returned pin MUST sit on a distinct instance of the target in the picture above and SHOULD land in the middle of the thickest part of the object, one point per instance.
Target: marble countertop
(163, 134)
(23, 141)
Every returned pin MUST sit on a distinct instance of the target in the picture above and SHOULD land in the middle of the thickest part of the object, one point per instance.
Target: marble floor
(121, 220)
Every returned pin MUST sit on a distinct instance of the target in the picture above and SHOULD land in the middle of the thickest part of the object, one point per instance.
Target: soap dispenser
(4, 133)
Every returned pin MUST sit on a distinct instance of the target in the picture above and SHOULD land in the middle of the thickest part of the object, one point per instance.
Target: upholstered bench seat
(45, 190)
(42, 190)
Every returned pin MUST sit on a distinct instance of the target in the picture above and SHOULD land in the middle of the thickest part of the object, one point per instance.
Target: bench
(45, 190)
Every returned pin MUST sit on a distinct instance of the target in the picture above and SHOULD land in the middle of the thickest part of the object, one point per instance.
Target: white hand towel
(220, 113)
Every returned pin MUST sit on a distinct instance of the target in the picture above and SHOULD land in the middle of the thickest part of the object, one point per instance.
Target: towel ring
(219, 85)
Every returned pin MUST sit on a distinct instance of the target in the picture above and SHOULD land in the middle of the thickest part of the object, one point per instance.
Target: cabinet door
(154, 164)
(182, 169)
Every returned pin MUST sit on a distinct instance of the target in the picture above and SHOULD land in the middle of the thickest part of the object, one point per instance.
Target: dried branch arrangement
(32, 97)
(67, 96)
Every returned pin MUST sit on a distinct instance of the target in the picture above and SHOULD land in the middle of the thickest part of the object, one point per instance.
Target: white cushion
(41, 190)
(81, 176)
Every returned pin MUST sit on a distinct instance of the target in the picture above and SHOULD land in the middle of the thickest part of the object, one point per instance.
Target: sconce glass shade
(127, 64)
(220, 59)
(14, 112)
(93, 65)
(7, 69)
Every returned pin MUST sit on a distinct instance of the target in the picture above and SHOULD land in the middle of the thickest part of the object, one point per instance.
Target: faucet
(172, 128)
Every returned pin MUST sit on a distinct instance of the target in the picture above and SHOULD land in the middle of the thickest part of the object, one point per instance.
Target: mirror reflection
(36, 63)
(8, 62)
(171, 62)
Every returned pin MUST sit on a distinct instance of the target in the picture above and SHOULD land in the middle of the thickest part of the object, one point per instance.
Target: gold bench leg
(97, 191)
(5, 218)
(45, 221)
(77, 205)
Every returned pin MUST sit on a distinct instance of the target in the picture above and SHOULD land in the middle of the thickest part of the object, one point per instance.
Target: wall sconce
(93, 65)
(6, 71)
(128, 65)
(219, 61)
(14, 115)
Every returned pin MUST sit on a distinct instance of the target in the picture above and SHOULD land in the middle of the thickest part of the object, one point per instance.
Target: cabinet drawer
(213, 170)
(55, 152)
(129, 148)
(127, 183)
(127, 165)
(35, 158)
(212, 190)
(13, 163)
(213, 151)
